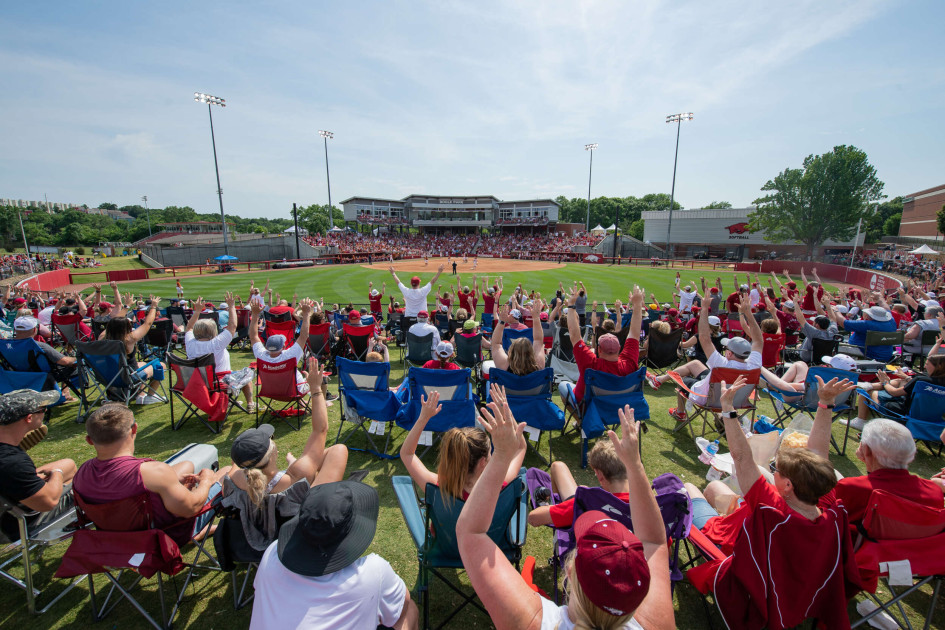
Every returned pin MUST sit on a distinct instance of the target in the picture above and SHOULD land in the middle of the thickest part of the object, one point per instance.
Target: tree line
(74, 227)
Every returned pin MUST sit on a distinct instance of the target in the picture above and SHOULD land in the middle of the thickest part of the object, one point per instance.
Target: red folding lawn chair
(275, 383)
(901, 542)
(771, 351)
(358, 339)
(744, 398)
(287, 329)
(196, 386)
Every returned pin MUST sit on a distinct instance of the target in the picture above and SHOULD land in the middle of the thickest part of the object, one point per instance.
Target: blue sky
(460, 98)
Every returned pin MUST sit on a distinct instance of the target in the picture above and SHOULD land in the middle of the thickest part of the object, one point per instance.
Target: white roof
(925, 249)
(599, 227)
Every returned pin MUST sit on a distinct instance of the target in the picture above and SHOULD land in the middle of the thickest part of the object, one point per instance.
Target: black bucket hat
(334, 526)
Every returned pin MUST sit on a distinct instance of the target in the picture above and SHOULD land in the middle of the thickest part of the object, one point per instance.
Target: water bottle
(709, 453)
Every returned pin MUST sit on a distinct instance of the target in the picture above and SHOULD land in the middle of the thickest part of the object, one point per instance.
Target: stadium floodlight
(148, 212)
(326, 135)
(200, 97)
(674, 118)
(590, 171)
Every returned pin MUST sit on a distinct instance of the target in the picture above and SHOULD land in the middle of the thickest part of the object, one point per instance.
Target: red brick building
(918, 213)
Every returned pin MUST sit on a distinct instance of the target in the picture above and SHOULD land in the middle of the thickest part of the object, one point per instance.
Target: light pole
(148, 212)
(29, 260)
(326, 135)
(210, 101)
(674, 118)
(590, 171)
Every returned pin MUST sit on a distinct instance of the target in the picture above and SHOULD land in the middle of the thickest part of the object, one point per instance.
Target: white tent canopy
(291, 230)
(925, 249)
(612, 227)
(598, 230)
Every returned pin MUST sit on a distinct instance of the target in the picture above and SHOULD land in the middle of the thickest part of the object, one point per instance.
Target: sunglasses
(773, 467)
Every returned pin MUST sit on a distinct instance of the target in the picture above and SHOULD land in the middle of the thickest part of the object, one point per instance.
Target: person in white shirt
(274, 350)
(686, 298)
(201, 339)
(423, 327)
(45, 315)
(314, 576)
(415, 297)
(740, 354)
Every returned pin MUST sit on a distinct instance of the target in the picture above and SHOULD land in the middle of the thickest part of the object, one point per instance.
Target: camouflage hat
(19, 403)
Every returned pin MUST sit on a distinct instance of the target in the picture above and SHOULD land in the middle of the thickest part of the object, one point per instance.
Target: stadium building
(433, 214)
(919, 212)
(723, 233)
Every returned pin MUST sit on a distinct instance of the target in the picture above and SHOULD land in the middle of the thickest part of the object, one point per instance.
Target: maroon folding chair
(126, 540)
(275, 383)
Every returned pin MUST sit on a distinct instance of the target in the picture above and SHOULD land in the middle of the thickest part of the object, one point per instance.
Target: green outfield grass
(344, 283)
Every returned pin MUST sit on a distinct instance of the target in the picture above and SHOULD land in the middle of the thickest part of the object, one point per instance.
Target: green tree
(891, 226)
(878, 214)
(314, 218)
(108, 206)
(823, 200)
(940, 220)
(636, 230)
(720, 205)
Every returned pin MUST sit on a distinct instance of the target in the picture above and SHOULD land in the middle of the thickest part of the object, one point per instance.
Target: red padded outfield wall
(47, 281)
(866, 278)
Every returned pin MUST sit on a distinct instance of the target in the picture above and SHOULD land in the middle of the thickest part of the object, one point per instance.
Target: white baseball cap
(841, 362)
(714, 321)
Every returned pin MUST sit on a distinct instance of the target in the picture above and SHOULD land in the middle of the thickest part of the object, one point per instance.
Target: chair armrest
(704, 545)
(410, 508)
(518, 526)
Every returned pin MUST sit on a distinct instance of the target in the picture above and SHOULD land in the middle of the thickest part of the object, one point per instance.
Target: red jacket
(785, 568)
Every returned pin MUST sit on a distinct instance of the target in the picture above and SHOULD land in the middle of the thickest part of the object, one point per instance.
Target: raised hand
(315, 375)
(507, 435)
(727, 399)
(230, 300)
(155, 300)
(255, 307)
(430, 406)
(627, 446)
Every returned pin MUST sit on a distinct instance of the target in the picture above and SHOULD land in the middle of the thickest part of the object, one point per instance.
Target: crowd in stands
(312, 526)
(432, 245)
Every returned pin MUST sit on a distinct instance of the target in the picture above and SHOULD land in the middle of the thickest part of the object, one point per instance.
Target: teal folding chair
(432, 527)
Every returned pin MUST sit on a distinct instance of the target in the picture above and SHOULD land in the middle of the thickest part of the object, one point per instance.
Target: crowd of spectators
(446, 245)
(313, 571)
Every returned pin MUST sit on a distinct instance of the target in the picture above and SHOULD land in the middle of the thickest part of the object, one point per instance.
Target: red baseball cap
(673, 312)
(19, 300)
(714, 290)
(610, 564)
(415, 280)
(423, 314)
(104, 306)
(608, 344)
(354, 315)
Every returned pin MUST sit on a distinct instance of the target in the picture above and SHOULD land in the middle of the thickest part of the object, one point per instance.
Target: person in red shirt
(724, 530)
(611, 476)
(609, 358)
(443, 354)
(672, 318)
(783, 527)
(489, 297)
(735, 297)
(375, 297)
(887, 448)
(466, 297)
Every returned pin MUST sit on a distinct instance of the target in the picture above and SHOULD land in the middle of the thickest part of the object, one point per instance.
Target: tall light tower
(148, 212)
(211, 101)
(590, 171)
(674, 118)
(326, 135)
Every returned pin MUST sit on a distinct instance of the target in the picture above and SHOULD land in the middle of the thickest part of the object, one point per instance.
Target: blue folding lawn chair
(788, 404)
(366, 399)
(11, 381)
(509, 335)
(105, 368)
(925, 418)
(604, 394)
(25, 355)
(529, 399)
(456, 397)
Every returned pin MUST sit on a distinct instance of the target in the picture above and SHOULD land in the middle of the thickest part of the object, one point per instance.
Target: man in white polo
(415, 297)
